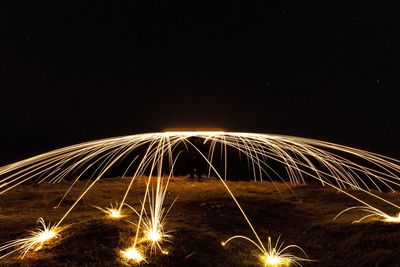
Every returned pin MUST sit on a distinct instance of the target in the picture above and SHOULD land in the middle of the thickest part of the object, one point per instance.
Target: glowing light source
(272, 259)
(154, 236)
(132, 254)
(392, 219)
(112, 212)
(44, 236)
(275, 261)
(193, 133)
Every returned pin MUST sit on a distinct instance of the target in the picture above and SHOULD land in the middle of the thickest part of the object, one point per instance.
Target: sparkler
(330, 164)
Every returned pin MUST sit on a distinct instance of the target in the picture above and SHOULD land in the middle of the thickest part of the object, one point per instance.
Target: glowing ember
(132, 255)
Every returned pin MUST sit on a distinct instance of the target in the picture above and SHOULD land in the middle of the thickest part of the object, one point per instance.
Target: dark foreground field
(202, 217)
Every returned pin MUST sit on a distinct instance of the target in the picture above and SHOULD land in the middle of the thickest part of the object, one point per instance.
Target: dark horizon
(74, 72)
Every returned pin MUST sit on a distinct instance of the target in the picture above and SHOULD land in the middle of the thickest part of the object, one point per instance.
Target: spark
(154, 236)
(153, 221)
(275, 261)
(372, 213)
(333, 165)
(132, 254)
(112, 212)
(392, 219)
(277, 255)
(35, 241)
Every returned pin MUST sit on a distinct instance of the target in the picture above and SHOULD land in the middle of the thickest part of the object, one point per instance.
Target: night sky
(73, 71)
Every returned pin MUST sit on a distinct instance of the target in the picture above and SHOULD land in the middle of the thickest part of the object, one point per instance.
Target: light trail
(340, 167)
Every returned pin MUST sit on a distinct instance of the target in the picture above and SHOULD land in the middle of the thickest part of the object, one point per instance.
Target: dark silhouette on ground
(196, 162)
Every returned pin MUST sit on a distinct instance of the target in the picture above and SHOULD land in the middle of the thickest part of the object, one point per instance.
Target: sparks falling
(336, 166)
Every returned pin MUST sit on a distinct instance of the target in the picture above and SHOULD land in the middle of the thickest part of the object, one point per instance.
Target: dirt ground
(202, 217)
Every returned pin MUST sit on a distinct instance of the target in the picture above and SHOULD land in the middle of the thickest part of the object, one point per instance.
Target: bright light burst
(156, 239)
(154, 236)
(329, 164)
(112, 212)
(155, 221)
(132, 255)
(275, 261)
(392, 219)
(275, 256)
(35, 241)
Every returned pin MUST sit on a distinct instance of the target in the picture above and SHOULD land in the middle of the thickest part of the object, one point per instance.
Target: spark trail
(302, 160)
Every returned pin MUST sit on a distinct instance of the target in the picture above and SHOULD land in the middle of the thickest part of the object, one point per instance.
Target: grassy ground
(203, 216)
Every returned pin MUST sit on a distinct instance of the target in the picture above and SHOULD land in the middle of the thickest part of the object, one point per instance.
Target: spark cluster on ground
(274, 256)
(132, 255)
(340, 167)
(35, 240)
(112, 212)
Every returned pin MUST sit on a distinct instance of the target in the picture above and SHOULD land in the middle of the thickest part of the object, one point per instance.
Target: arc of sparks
(330, 164)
